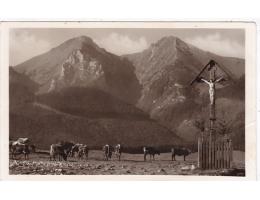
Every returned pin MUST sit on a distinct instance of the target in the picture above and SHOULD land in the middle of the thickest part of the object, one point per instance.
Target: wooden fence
(215, 154)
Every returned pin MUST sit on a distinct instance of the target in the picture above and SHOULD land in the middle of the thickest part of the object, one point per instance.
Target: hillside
(165, 71)
(45, 126)
(83, 115)
(90, 103)
(21, 89)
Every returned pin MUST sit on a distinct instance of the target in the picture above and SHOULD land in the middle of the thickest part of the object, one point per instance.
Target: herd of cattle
(63, 150)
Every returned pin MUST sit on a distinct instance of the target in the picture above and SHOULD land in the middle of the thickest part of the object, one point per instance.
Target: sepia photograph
(127, 100)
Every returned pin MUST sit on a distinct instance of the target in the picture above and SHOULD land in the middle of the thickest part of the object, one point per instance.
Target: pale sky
(27, 43)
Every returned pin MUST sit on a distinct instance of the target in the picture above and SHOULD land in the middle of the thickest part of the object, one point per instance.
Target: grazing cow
(57, 150)
(17, 149)
(20, 146)
(107, 149)
(75, 149)
(118, 151)
(180, 152)
(67, 146)
(80, 149)
(151, 151)
(61, 150)
(83, 151)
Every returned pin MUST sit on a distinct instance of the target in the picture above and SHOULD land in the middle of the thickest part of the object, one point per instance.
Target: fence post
(213, 155)
(217, 155)
(209, 150)
(204, 154)
(199, 153)
(231, 154)
(228, 155)
(225, 154)
(222, 153)
(207, 155)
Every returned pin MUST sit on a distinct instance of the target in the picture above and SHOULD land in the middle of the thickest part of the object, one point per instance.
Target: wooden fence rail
(215, 154)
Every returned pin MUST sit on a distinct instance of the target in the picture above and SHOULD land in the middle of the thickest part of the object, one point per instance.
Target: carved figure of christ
(211, 84)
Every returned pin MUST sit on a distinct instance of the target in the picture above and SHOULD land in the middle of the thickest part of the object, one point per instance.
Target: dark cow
(180, 152)
(56, 150)
(67, 146)
(118, 151)
(20, 146)
(107, 149)
(17, 149)
(151, 151)
(61, 150)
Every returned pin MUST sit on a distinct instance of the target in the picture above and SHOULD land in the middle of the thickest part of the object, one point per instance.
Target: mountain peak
(170, 44)
(168, 40)
(84, 39)
(80, 41)
(79, 62)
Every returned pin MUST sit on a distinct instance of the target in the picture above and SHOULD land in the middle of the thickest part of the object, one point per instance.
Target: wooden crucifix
(211, 66)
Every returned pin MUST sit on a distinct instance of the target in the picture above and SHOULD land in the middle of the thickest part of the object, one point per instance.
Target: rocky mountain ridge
(153, 85)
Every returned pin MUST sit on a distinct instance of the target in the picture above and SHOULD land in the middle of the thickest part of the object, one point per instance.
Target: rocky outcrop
(79, 62)
(77, 70)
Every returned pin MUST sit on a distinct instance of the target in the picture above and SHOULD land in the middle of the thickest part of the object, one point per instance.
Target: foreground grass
(130, 164)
